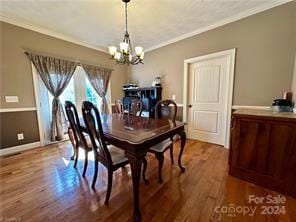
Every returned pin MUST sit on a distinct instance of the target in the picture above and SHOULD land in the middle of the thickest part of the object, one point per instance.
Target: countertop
(266, 114)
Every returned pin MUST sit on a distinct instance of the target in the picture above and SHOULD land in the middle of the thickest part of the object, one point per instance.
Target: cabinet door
(290, 186)
(250, 145)
(280, 150)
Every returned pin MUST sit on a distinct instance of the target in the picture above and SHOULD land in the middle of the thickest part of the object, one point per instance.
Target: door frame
(230, 81)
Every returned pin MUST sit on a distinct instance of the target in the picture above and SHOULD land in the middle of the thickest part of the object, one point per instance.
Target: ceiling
(152, 23)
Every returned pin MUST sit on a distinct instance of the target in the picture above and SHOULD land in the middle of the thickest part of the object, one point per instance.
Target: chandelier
(125, 55)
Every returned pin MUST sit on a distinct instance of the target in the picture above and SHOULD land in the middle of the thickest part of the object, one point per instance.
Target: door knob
(190, 106)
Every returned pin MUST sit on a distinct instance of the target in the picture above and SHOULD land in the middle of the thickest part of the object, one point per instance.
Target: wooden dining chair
(80, 139)
(135, 107)
(164, 110)
(110, 156)
(119, 106)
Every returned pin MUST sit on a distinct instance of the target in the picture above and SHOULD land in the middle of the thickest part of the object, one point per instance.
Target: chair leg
(95, 175)
(110, 178)
(72, 140)
(160, 158)
(76, 156)
(172, 154)
(144, 171)
(85, 163)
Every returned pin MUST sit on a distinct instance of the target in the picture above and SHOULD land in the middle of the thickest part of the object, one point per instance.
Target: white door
(209, 86)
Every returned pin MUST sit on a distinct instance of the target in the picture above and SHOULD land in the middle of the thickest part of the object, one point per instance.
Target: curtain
(99, 78)
(56, 75)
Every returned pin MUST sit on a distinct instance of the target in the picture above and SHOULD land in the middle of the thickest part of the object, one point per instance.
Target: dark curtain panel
(99, 78)
(56, 75)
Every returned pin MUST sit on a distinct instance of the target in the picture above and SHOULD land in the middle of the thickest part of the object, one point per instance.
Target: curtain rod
(79, 63)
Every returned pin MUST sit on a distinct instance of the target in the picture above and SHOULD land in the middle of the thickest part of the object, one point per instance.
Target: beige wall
(12, 123)
(16, 75)
(294, 83)
(265, 45)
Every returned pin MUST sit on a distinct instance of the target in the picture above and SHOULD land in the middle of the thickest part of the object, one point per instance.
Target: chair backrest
(93, 123)
(118, 106)
(73, 119)
(164, 111)
(135, 107)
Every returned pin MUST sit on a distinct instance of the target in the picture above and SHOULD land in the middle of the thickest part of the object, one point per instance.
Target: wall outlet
(11, 99)
(173, 97)
(20, 136)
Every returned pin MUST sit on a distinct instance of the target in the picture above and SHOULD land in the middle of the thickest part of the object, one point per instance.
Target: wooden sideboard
(263, 149)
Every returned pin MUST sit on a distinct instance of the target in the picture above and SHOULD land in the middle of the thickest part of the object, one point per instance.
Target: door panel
(206, 84)
(205, 121)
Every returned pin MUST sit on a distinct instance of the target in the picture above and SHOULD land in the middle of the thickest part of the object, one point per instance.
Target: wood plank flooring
(42, 185)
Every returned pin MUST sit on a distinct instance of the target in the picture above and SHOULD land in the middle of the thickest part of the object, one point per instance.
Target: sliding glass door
(78, 90)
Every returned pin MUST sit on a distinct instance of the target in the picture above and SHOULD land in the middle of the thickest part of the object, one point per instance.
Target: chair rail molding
(21, 109)
(250, 107)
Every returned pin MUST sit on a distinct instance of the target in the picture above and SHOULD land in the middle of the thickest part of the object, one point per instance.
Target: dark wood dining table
(135, 135)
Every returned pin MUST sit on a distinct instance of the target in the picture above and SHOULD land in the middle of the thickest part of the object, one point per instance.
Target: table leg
(136, 164)
(183, 142)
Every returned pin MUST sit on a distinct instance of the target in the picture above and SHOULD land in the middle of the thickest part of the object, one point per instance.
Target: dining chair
(135, 107)
(119, 106)
(110, 156)
(164, 110)
(77, 134)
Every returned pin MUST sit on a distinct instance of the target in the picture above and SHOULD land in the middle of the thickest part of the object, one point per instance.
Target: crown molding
(27, 25)
(221, 23)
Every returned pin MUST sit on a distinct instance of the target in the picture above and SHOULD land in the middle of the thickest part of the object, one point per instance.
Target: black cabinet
(148, 95)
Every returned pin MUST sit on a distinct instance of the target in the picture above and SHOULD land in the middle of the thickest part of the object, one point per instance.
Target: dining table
(135, 135)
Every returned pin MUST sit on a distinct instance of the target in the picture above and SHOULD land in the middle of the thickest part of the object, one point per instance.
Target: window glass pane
(92, 96)
(69, 93)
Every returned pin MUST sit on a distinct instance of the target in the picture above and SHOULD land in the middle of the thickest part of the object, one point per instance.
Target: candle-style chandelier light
(125, 55)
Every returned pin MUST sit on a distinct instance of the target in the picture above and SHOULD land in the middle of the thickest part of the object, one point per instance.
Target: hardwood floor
(42, 185)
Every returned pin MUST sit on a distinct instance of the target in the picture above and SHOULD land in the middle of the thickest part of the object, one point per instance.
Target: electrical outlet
(20, 136)
(173, 97)
(11, 99)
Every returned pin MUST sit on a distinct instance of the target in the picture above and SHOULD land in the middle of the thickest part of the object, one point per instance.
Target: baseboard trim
(250, 107)
(15, 149)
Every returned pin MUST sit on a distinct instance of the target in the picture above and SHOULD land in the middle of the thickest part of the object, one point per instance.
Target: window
(69, 93)
(78, 90)
(91, 95)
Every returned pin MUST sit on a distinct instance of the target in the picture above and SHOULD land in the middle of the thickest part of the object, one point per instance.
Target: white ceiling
(152, 23)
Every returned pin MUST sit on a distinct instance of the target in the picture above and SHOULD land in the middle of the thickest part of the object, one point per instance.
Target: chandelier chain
(126, 17)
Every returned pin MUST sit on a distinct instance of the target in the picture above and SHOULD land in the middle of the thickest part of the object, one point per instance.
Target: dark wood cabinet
(148, 95)
(263, 149)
